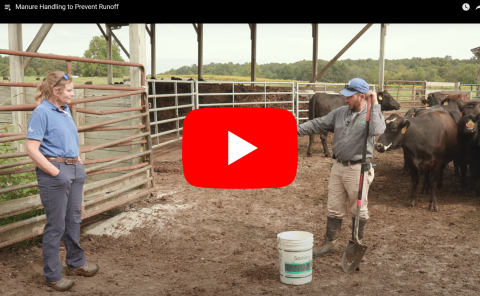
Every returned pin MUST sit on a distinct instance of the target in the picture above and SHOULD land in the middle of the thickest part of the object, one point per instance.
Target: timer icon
(466, 6)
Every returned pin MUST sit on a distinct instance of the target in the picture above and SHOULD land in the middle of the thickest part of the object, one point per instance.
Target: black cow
(88, 83)
(5, 78)
(429, 142)
(37, 79)
(469, 151)
(471, 107)
(321, 104)
(434, 98)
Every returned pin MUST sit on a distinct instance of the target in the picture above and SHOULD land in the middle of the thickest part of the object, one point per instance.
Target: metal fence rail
(409, 94)
(470, 88)
(156, 100)
(100, 195)
(235, 94)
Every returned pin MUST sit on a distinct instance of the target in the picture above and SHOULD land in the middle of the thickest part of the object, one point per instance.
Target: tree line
(97, 49)
(416, 69)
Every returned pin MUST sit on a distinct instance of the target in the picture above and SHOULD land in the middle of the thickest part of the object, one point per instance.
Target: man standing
(348, 124)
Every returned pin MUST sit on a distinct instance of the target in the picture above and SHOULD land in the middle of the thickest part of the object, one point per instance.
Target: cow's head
(393, 136)
(469, 108)
(449, 104)
(386, 101)
(468, 125)
(433, 99)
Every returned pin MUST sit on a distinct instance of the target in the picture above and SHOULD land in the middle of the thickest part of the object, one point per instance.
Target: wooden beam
(17, 94)
(315, 49)
(341, 52)
(148, 31)
(120, 44)
(152, 42)
(109, 56)
(381, 60)
(138, 50)
(36, 42)
(114, 37)
(101, 30)
(200, 51)
(253, 37)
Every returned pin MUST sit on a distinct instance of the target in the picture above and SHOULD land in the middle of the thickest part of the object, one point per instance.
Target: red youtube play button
(239, 148)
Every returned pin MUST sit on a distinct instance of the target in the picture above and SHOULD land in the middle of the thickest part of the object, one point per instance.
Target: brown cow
(88, 82)
(429, 142)
(5, 78)
(37, 79)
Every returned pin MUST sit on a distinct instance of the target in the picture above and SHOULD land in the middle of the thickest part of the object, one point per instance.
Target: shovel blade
(352, 256)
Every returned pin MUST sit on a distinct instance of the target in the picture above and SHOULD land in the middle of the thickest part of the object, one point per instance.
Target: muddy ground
(223, 242)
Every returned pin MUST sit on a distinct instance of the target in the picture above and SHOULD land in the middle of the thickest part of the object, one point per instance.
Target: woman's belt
(66, 160)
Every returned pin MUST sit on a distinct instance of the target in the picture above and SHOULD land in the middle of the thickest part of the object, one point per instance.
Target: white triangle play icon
(237, 148)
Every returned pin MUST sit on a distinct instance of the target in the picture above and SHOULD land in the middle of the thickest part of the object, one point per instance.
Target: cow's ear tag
(446, 103)
(380, 97)
(404, 130)
(471, 124)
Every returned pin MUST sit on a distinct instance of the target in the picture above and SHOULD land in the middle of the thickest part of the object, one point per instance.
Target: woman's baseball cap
(355, 85)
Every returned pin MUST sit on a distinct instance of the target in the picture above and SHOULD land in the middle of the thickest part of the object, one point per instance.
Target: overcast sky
(176, 44)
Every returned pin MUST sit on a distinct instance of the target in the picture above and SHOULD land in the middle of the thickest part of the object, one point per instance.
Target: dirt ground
(223, 242)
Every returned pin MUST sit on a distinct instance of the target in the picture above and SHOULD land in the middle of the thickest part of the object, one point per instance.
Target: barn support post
(381, 59)
(36, 42)
(457, 86)
(109, 55)
(315, 50)
(253, 37)
(476, 52)
(152, 42)
(341, 52)
(199, 29)
(137, 55)
(478, 79)
(17, 95)
(79, 117)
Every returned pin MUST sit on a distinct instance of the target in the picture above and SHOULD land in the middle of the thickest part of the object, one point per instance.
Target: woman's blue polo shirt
(55, 129)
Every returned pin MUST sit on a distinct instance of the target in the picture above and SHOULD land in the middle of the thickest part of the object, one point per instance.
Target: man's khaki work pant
(343, 190)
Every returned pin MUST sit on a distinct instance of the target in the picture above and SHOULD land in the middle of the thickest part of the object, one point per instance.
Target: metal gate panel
(234, 94)
(408, 94)
(112, 181)
(161, 122)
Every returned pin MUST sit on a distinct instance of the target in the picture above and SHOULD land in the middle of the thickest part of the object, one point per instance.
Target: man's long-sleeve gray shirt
(349, 131)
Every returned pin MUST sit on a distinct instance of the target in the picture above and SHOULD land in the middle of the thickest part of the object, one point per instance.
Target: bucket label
(298, 268)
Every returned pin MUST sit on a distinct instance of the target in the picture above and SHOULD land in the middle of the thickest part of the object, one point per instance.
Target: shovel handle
(362, 170)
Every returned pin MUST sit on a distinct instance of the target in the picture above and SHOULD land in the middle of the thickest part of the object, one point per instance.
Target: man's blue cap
(355, 85)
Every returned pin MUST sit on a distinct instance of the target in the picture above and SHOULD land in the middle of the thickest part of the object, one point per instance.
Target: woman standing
(53, 145)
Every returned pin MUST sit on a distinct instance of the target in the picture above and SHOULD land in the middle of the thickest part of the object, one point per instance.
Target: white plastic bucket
(296, 258)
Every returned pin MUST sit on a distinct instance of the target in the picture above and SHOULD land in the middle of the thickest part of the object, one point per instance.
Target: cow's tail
(311, 110)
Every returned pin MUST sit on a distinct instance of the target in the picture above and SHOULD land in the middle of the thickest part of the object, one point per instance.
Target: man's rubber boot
(331, 237)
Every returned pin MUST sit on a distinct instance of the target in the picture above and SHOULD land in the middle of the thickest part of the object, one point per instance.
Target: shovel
(355, 249)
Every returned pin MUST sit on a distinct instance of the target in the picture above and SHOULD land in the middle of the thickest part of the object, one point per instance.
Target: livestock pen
(118, 158)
